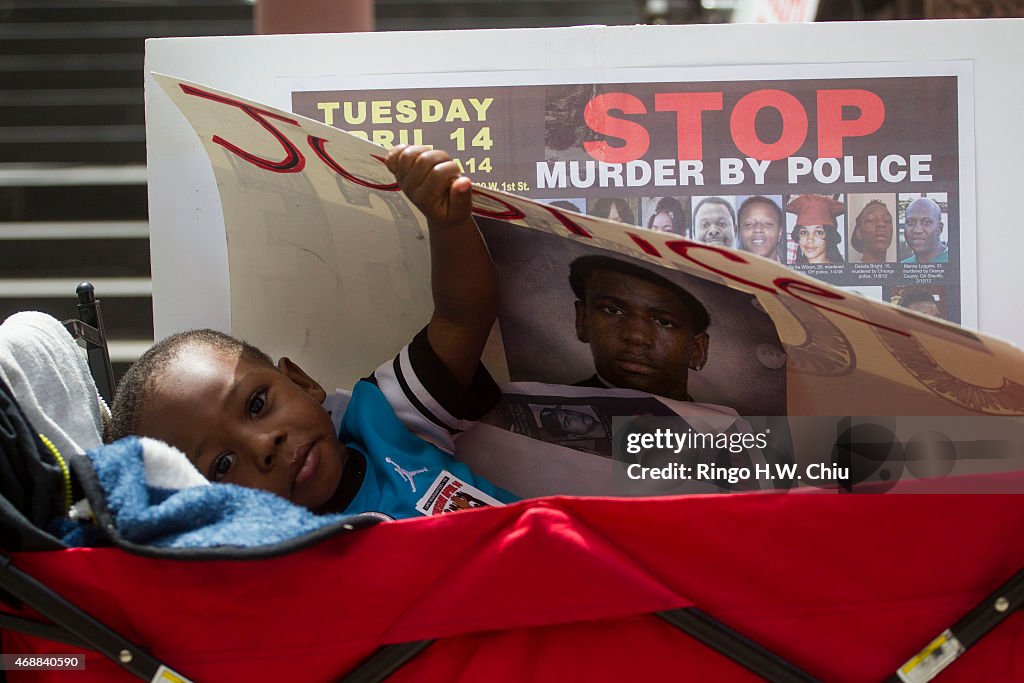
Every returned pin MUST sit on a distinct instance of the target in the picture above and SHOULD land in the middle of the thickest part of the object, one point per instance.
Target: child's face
(242, 421)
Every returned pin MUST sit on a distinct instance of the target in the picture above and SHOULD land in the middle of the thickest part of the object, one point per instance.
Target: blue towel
(198, 516)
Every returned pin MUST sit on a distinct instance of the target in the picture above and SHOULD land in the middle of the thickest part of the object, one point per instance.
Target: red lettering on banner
(511, 213)
(568, 223)
(293, 161)
(319, 148)
(793, 288)
(683, 248)
(743, 126)
(689, 107)
(832, 127)
(636, 138)
(788, 285)
(648, 248)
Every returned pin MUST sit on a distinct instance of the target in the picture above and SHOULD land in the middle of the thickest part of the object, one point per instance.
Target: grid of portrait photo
(883, 245)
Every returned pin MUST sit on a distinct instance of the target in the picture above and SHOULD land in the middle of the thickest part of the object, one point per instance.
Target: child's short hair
(137, 382)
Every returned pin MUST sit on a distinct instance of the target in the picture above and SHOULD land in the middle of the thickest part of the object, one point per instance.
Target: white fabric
(168, 468)
(416, 415)
(49, 376)
(335, 405)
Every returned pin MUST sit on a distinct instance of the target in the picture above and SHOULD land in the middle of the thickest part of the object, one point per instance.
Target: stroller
(797, 586)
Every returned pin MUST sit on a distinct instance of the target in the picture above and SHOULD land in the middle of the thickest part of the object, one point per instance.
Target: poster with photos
(727, 337)
(879, 156)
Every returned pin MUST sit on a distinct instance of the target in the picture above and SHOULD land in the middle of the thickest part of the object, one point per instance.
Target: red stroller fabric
(846, 587)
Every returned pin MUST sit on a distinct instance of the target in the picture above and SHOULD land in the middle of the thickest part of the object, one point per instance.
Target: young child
(240, 419)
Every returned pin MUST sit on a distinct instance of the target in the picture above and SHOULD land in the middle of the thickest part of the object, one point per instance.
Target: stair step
(97, 30)
(110, 61)
(74, 45)
(74, 230)
(99, 258)
(64, 11)
(59, 287)
(25, 175)
(64, 97)
(126, 77)
(59, 203)
(125, 317)
(73, 114)
(73, 134)
(115, 152)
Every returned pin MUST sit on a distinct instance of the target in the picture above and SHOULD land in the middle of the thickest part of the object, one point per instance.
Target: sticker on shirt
(448, 493)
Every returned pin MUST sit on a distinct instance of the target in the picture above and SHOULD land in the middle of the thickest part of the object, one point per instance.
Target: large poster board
(189, 254)
(723, 156)
(328, 263)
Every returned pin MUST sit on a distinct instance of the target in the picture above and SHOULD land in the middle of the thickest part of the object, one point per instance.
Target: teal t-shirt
(405, 475)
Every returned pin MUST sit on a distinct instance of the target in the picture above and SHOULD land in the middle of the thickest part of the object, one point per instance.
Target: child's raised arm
(463, 282)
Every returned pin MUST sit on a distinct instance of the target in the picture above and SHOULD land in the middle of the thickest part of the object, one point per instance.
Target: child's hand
(462, 278)
(432, 181)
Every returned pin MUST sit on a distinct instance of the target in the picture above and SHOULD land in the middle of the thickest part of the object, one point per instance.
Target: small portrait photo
(923, 234)
(620, 209)
(815, 226)
(574, 205)
(871, 228)
(569, 422)
(761, 226)
(928, 299)
(714, 221)
(666, 214)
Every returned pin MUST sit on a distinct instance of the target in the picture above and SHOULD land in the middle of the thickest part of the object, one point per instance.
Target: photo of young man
(610, 320)
(872, 228)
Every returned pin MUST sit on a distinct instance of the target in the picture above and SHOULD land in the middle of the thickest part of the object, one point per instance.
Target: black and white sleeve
(427, 399)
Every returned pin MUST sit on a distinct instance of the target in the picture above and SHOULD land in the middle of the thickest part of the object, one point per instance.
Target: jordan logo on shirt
(406, 475)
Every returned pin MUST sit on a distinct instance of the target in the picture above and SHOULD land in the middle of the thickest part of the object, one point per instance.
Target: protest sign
(328, 262)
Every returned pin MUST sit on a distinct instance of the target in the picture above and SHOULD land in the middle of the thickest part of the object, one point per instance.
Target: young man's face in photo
(760, 229)
(876, 229)
(242, 421)
(573, 421)
(640, 334)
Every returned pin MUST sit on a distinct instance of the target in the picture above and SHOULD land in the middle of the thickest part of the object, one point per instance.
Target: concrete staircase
(73, 201)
